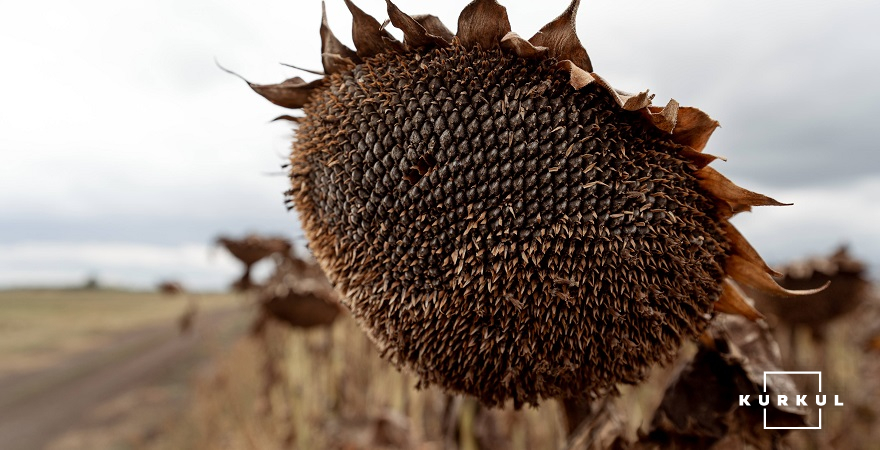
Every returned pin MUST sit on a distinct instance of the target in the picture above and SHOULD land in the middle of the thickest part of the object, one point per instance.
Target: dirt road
(38, 406)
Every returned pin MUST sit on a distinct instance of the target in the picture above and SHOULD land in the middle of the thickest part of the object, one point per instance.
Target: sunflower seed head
(500, 219)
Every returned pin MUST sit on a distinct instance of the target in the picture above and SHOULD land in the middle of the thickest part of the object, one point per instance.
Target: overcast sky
(125, 151)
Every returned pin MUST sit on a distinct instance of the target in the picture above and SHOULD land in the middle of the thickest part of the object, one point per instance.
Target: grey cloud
(135, 136)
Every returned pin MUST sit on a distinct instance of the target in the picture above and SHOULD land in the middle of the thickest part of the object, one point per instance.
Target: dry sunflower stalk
(700, 410)
(502, 221)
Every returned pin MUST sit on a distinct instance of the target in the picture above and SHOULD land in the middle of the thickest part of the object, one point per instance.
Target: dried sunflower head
(298, 294)
(502, 221)
(250, 250)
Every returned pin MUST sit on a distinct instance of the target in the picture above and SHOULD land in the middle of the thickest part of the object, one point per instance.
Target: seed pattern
(474, 213)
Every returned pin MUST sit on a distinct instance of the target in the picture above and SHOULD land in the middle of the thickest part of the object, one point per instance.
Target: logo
(799, 400)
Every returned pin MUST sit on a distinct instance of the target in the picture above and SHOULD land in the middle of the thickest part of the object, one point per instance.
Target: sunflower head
(250, 250)
(502, 221)
(298, 294)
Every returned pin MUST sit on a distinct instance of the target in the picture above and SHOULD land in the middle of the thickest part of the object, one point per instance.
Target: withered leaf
(334, 54)
(700, 409)
(368, 35)
(740, 246)
(739, 199)
(733, 301)
(483, 23)
(849, 288)
(698, 159)
(561, 38)
(521, 47)
(578, 77)
(693, 128)
(664, 118)
(749, 274)
(415, 35)
(291, 93)
(434, 26)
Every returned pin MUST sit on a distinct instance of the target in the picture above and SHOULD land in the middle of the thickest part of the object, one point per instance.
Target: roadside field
(39, 327)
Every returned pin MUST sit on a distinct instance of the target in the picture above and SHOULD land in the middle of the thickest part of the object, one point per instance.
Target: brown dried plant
(171, 287)
(700, 410)
(849, 287)
(250, 250)
(299, 295)
(499, 218)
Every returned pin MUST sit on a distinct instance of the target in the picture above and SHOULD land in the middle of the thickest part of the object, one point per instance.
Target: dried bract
(700, 409)
(848, 288)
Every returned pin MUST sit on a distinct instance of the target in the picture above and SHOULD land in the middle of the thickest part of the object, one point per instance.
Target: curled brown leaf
(333, 53)
(483, 23)
(415, 35)
(560, 37)
(749, 274)
(693, 128)
(739, 199)
(368, 35)
(521, 47)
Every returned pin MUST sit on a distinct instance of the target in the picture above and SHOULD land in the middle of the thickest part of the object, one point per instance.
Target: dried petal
(693, 128)
(561, 38)
(368, 35)
(336, 63)
(634, 102)
(483, 23)
(334, 54)
(748, 274)
(734, 301)
(434, 26)
(521, 47)
(288, 118)
(698, 159)
(415, 35)
(579, 77)
(630, 102)
(738, 198)
(291, 93)
(664, 118)
(315, 72)
(740, 246)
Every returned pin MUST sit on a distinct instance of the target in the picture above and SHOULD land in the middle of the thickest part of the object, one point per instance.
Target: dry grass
(336, 389)
(848, 370)
(38, 327)
(337, 386)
